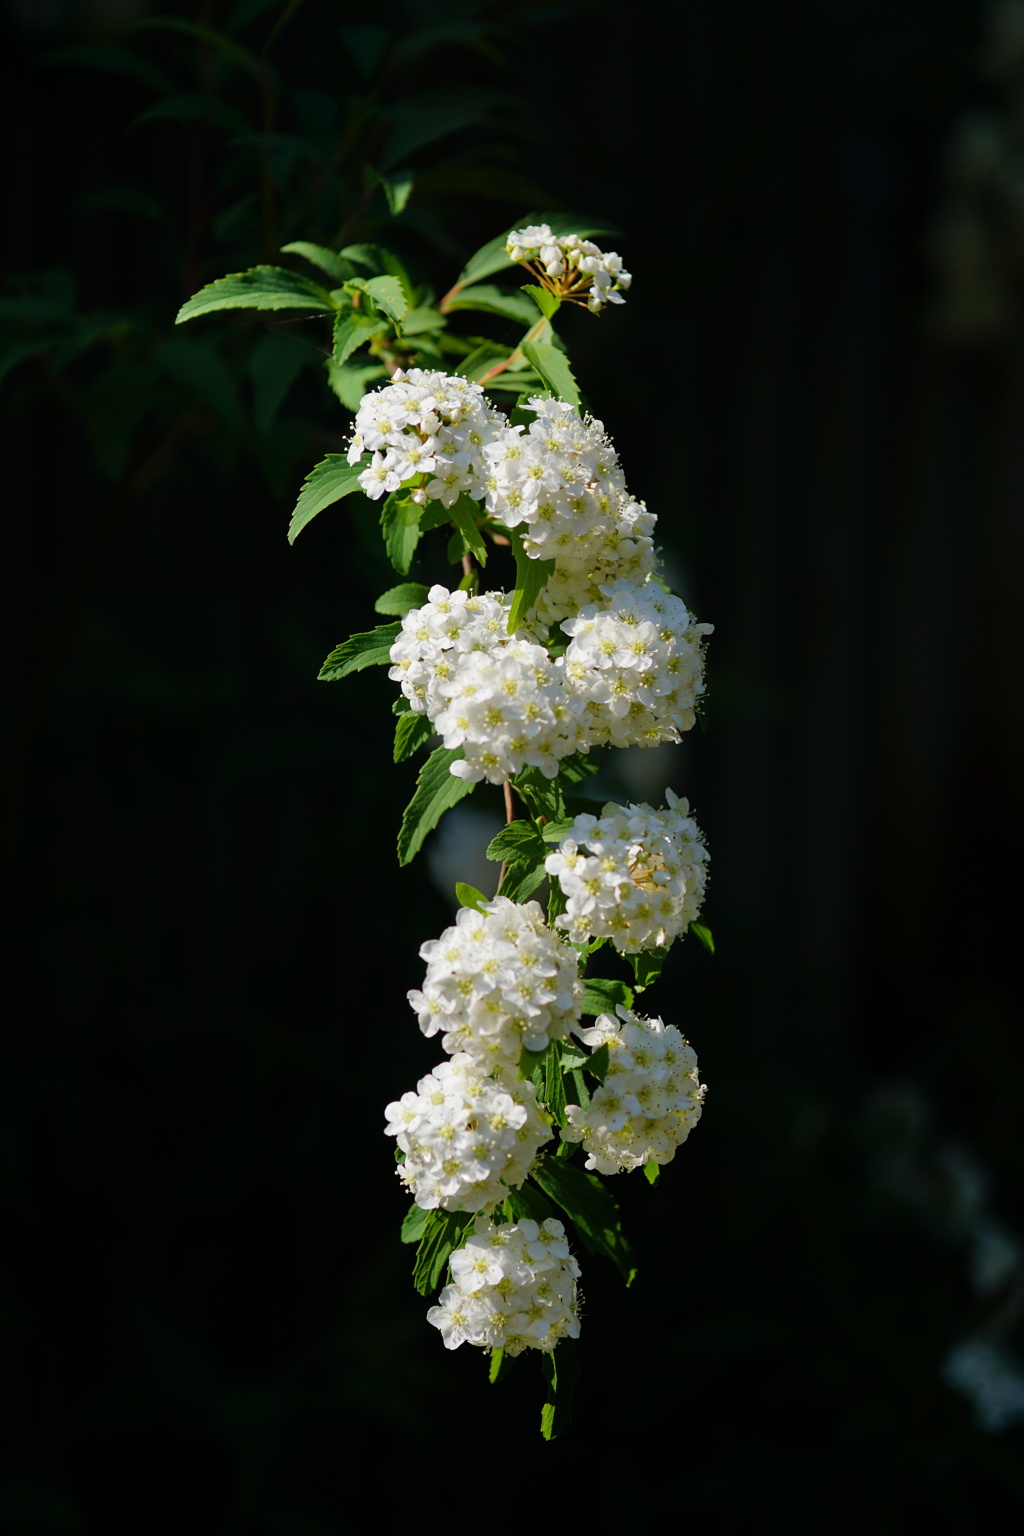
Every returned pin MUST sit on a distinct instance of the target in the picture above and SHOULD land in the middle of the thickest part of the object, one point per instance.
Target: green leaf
(500, 1366)
(597, 1066)
(442, 1232)
(328, 261)
(386, 292)
(464, 514)
(647, 966)
(469, 896)
(553, 367)
(530, 577)
(703, 933)
(553, 1093)
(515, 840)
(418, 321)
(494, 301)
(600, 996)
(401, 599)
(652, 1172)
(587, 1201)
(561, 1372)
(362, 255)
(412, 731)
(370, 648)
(546, 302)
(437, 790)
(522, 849)
(350, 384)
(527, 1201)
(400, 524)
(331, 479)
(413, 1224)
(259, 288)
(398, 189)
(350, 333)
(543, 796)
(275, 363)
(531, 1062)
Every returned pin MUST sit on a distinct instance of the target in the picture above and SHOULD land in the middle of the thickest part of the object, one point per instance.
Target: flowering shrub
(577, 646)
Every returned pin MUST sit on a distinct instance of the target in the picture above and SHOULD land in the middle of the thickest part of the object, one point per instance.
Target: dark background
(818, 385)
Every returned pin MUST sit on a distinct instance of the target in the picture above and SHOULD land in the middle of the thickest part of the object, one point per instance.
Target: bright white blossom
(449, 626)
(650, 1099)
(499, 979)
(636, 661)
(467, 1139)
(574, 268)
(427, 429)
(513, 1288)
(633, 875)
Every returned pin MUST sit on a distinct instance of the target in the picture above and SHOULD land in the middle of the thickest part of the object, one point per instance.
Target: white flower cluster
(560, 480)
(650, 1100)
(633, 875)
(498, 980)
(636, 662)
(424, 427)
(500, 698)
(513, 1288)
(467, 1139)
(577, 266)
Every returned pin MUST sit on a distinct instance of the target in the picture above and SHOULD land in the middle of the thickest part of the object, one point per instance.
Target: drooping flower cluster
(513, 1288)
(650, 1100)
(467, 1139)
(575, 269)
(499, 979)
(633, 875)
(560, 481)
(426, 430)
(636, 662)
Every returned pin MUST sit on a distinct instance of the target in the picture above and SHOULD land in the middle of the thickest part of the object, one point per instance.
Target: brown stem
(510, 815)
(531, 335)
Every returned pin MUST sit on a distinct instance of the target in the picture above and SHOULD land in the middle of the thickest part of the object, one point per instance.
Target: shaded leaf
(275, 363)
(464, 514)
(592, 1209)
(193, 107)
(530, 578)
(201, 368)
(413, 1224)
(437, 790)
(350, 384)
(331, 479)
(350, 332)
(259, 288)
(647, 966)
(703, 933)
(442, 1232)
(561, 1372)
(401, 599)
(328, 261)
(420, 120)
(412, 731)
(370, 648)
(494, 301)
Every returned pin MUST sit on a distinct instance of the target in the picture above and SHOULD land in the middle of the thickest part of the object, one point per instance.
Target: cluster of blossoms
(636, 662)
(424, 427)
(650, 1100)
(573, 268)
(499, 979)
(513, 1288)
(467, 1139)
(560, 481)
(633, 875)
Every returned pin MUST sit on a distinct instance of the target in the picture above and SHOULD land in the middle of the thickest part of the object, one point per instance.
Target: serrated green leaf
(259, 288)
(546, 302)
(386, 292)
(521, 881)
(437, 790)
(328, 261)
(412, 731)
(463, 514)
(494, 301)
(553, 1093)
(413, 1224)
(647, 966)
(350, 384)
(561, 1373)
(443, 1231)
(400, 600)
(580, 766)
(531, 1062)
(591, 1207)
(351, 331)
(400, 524)
(652, 1172)
(554, 831)
(513, 839)
(469, 896)
(331, 479)
(703, 933)
(600, 996)
(543, 796)
(530, 578)
(363, 255)
(553, 367)
(370, 648)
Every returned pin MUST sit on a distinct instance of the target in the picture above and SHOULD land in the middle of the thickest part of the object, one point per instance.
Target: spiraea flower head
(574, 269)
(434, 638)
(650, 1100)
(636, 662)
(427, 431)
(633, 875)
(467, 1139)
(499, 979)
(513, 1288)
